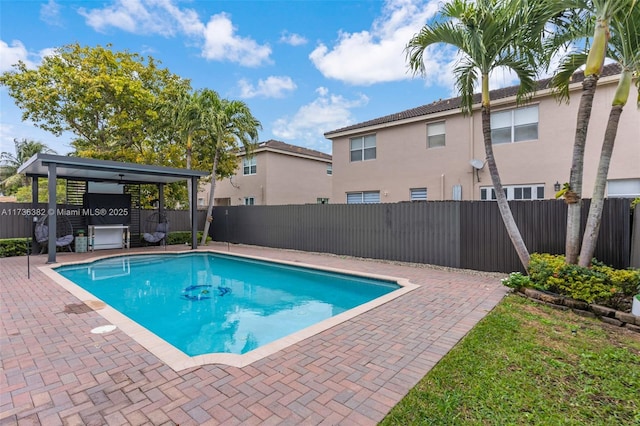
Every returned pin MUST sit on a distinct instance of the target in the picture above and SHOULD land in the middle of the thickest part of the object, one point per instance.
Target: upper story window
(363, 197)
(515, 192)
(363, 148)
(514, 125)
(418, 194)
(249, 201)
(329, 169)
(249, 166)
(627, 188)
(435, 135)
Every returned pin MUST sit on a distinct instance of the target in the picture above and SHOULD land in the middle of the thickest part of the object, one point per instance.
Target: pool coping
(178, 360)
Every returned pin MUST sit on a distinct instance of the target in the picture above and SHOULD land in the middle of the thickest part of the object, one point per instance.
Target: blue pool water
(211, 303)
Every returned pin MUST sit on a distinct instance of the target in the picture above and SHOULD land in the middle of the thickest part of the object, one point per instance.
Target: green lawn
(526, 363)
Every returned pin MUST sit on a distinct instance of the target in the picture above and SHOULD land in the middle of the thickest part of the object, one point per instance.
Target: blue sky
(303, 67)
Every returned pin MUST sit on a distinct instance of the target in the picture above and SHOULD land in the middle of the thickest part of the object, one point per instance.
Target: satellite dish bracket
(477, 166)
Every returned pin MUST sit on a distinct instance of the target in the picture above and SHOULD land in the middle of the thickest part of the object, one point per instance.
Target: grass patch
(526, 363)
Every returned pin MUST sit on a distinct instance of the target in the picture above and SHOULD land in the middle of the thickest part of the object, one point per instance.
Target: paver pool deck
(55, 371)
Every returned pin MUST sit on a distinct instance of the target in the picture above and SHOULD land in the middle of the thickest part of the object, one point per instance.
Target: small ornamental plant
(517, 280)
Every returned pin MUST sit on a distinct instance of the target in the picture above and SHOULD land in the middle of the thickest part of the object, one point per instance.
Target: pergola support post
(51, 211)
(194, 213)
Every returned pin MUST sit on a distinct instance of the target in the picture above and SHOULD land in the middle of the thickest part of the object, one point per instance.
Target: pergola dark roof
(90, 170)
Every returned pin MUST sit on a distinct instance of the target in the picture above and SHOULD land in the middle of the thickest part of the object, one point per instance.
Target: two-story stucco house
(275, 173)
(433, 152)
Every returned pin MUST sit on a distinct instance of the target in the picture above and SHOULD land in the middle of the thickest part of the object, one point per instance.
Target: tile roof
(455, 103)
(282, 146)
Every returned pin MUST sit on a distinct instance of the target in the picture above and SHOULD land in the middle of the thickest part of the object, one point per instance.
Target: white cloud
(272, 87)
(13, 53)
(376, 55)
(293, 39)
(311, 121)
(50, 13)
(222, 43)
(218, 38)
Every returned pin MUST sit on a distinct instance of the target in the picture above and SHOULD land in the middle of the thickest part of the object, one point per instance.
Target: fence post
(634, 261)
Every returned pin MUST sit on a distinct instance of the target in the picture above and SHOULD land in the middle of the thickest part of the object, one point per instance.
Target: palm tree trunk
(189, 153)
(572, 244)
(597, 201)
(207, 224)
(503, 204)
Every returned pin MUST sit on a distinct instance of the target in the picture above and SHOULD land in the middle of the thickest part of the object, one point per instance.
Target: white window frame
(515, 192)
(623, 188)
(249, 166)
(364, 148)
(365, 197)
(418, 194)
(436, 135)
(330, 169)
(510, 121)
(249, 201)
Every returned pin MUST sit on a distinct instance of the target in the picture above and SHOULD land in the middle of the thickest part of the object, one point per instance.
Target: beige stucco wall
(403, 160)
(280, 179)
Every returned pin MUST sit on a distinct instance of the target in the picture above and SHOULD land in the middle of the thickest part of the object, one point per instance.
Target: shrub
(517, 280)
(13, 247)
(182, 237)
(598, 283)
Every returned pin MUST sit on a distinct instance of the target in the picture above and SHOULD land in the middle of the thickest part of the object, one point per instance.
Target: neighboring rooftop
(455, 103)
(282, 146)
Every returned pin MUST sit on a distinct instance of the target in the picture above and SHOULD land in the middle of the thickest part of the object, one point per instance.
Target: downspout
(442, 187)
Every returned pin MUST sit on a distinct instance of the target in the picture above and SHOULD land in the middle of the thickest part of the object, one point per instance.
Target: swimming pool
(212, 303)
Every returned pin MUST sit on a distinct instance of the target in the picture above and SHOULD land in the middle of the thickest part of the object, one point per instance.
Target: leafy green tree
(230, 126)
(10, 180)
(104, 97)
(489, 34)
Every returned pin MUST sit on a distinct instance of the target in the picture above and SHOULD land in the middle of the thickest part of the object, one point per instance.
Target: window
(435, 135)
(623, 188)
(363, 197)
(363, 148)
(418, 194)
(329, 169)
(515, 192)
(457, 192)
(201, 201)
(323, 201)
(249, 201)
(514, 125)
(249, 166)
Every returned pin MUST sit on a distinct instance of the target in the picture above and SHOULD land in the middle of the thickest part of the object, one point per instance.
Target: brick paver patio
(54, 371)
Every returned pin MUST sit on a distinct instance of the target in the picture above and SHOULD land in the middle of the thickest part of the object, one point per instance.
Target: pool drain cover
(104, 329)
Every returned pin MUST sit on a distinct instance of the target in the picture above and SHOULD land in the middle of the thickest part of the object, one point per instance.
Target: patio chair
(64, 232)
(156, 229)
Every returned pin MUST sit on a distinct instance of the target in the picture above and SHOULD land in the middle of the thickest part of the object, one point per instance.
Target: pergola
(90, 170)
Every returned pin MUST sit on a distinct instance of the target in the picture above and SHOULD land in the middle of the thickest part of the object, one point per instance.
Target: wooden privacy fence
(460, 234)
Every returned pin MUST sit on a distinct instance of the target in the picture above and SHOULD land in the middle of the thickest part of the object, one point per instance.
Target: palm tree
(603, 10)
(489, 34)
(624, 48)
(230, 126)
(10, 163)
(185, 121)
